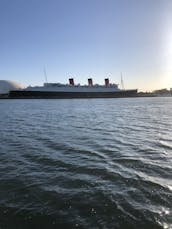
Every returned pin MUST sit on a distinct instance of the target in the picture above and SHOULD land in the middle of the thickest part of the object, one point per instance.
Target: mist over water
(86, 163)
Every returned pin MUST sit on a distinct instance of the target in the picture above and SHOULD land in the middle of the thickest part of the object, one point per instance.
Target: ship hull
(25, 94)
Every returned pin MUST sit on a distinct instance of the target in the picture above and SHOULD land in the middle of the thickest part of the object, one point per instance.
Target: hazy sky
(87, 38)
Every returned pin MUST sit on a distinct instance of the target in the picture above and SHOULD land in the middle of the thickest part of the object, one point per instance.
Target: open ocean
(86, 163)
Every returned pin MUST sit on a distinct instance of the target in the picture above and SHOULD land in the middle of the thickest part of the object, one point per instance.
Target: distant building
(7, 85)
(163, 92)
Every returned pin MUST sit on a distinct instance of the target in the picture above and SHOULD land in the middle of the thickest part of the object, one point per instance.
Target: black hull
(70, 95)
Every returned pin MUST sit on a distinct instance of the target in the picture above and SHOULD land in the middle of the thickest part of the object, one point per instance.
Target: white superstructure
(71, 87)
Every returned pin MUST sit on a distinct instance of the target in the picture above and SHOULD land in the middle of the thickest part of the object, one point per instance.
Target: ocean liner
(71, 90)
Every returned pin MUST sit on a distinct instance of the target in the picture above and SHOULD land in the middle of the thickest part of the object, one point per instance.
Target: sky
(87, 39)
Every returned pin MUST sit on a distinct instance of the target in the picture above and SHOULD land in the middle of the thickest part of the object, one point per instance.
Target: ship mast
(45, 75)
(122, 83)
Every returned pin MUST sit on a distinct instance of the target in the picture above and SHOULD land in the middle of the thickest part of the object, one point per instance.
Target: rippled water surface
(86, 163)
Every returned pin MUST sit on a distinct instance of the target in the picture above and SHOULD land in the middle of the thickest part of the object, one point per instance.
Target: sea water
(86, 163)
